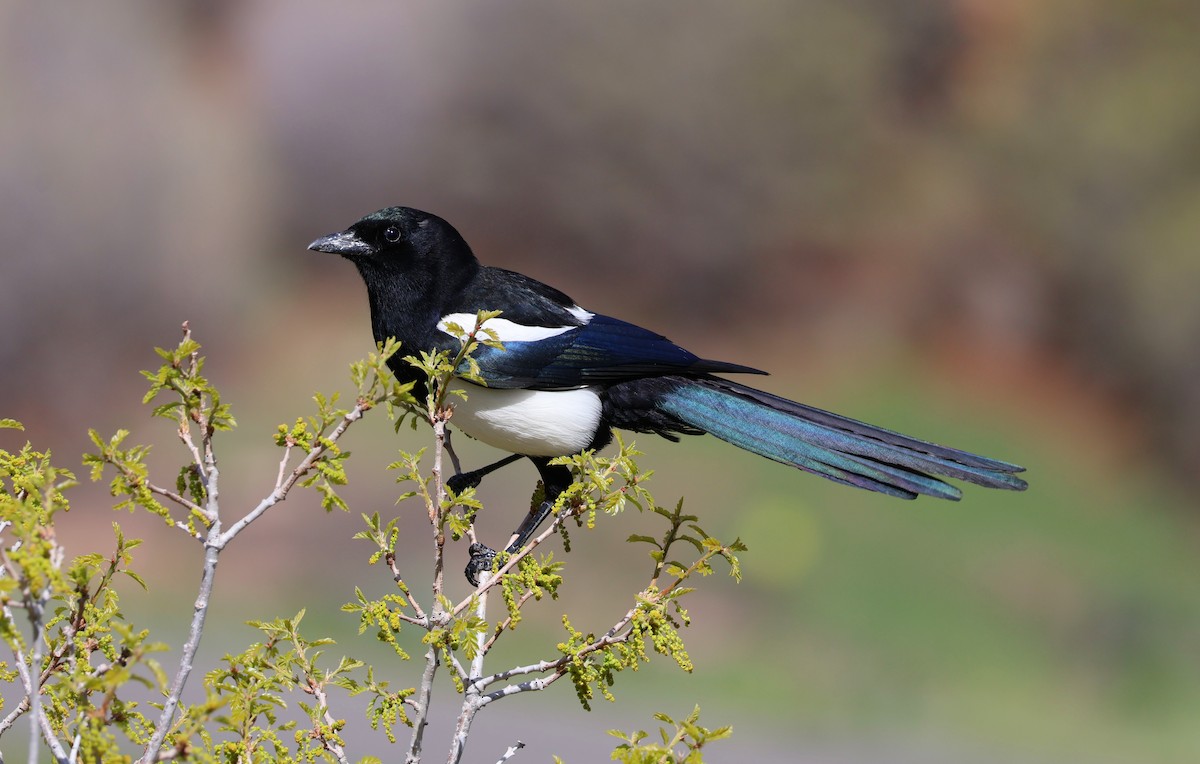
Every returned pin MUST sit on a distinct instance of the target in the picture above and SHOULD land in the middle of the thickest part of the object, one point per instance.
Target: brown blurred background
(976, 220)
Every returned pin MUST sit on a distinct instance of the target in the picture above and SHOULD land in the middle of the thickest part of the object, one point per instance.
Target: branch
(533, 685)
(421, 619)
(39, 724)
(513, 560)
(617, 634)
(338, 752)
(200, 610)
(7, 567)
(459, 671)
(511, 752)
(282, 489)
(559, 666)
(19, 660)
(500, 629)
(185, 429)
(471, 704)
(610, 638)
(179, 499)
(433, 503)
(453, 456)
(287, 456)
(182, 501)
(421, 715)
(214, 544)
(435, 507)
(449, 446)
(185, 435)
(13, 715)
(205, 461)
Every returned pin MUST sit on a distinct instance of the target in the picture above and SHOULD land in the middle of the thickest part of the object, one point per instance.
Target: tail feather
(836, 447)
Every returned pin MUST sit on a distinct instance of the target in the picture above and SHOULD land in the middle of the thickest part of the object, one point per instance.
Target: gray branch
(214, 543)
(511, 752)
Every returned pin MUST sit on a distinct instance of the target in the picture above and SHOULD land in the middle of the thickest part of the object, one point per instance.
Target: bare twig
(471, 704)
(213, 544)
(437, 416)
(532, 668)
(421, 619)
(511, 752)
(507, 622)
(283, 463)
(435, 508)
(199, 611)
(185, 435)
(449, 446)
(39, 724)
(421, 715)
(52, 661)
(170, 495)
(184, 527)
(533, 685)
(458, 669)
(19, 660)
(281, 491)
(20, 709)
(617, 634)
(182, 501)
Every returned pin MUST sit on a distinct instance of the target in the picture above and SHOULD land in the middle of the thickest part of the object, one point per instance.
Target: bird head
(401, 241)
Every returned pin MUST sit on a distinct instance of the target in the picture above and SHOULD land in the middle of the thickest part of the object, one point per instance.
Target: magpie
(566, 377)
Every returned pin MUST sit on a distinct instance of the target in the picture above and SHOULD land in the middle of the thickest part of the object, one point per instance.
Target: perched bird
(567, 376)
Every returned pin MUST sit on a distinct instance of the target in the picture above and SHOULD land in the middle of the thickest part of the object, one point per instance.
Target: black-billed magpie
(566, 377)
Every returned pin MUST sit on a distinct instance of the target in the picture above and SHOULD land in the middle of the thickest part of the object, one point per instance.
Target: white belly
(529, 422)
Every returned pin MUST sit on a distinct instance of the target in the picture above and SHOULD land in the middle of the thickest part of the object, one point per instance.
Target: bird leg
(555, 480)
(464, 480)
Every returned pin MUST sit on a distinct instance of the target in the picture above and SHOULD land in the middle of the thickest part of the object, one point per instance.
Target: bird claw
(481, 562)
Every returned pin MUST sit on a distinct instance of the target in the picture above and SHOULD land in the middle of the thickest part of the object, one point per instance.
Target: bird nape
(566, 377)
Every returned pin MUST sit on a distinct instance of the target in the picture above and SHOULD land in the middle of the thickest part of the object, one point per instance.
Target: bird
(565, 377)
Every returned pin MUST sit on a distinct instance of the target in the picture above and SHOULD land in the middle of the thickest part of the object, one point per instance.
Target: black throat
(406, 304)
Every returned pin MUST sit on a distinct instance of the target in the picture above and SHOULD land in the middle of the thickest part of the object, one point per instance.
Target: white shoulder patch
(584, 316)
(510, 331)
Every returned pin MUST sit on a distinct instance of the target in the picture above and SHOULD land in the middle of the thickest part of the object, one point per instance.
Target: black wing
(587, 348)
(603, 351)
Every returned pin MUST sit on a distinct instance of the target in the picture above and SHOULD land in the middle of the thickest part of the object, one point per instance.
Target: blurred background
(976, 221)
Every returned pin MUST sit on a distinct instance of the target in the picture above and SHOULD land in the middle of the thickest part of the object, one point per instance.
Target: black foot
(464, 480)
(481, 562)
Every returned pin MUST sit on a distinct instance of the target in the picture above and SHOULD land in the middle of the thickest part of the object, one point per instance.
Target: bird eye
(392, 234)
